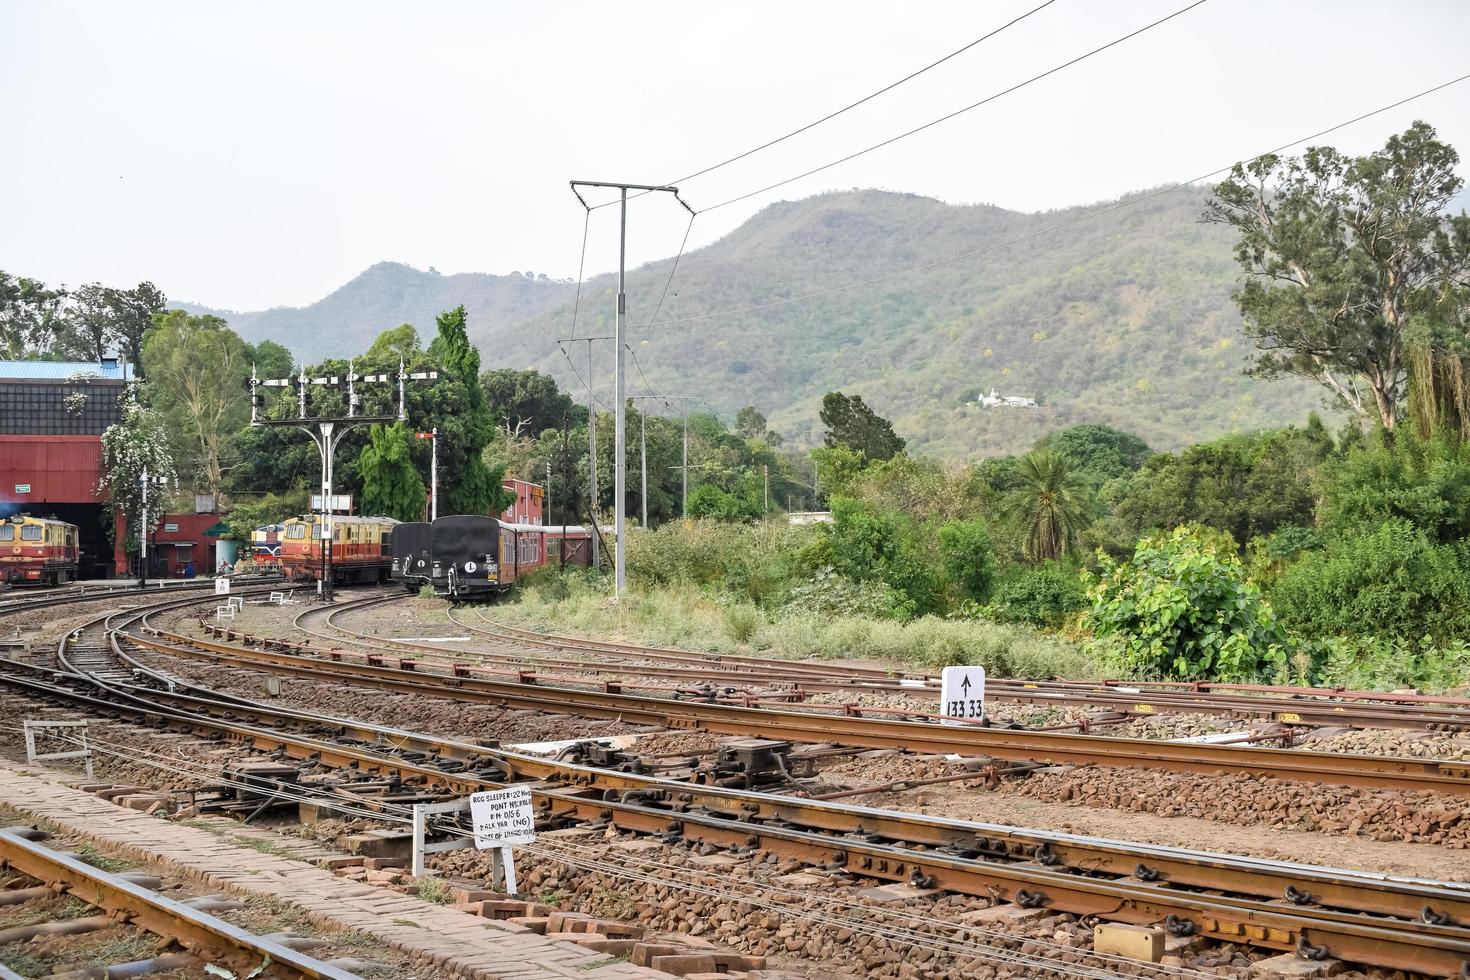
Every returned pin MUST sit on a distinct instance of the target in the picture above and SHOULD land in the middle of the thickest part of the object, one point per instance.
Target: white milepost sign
(962, 692)
(502, 818)
(221, 586)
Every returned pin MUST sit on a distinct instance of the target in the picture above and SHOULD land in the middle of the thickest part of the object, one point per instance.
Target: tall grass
(687, 617)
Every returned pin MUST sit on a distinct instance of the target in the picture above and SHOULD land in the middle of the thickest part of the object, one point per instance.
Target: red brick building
(529, 507)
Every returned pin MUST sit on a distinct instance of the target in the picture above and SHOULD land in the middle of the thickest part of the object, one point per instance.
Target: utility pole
(766, 475)
(433, 434)
(643, 467)
(591, 440)
(143, 531)
(620, 572)
(327, 432)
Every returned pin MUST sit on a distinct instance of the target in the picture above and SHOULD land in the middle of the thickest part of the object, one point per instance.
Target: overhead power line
(853, 105)
(959, 112)
(1060, 225)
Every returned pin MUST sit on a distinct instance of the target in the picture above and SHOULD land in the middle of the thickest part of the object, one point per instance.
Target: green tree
(1183, 608)
(969, 559)
(31, 315)
(391, 485)
(749, 423)
(197, 367)
(852, 424)
(1049, 504)
(247, 515)
(1099, 452)
(527, 403)
(467, 485)
(270, 359)
(1338, 251)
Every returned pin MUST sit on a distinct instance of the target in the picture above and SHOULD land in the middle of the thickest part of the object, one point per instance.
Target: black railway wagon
(464, 549)
(411, 546)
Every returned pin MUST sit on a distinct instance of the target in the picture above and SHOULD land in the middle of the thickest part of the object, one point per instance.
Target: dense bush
(1040, 595)
(867, 544)
(755, 561)
(1424, 483)
(1392, 581)
(830, 594)
(969, 559)
(1183, 608)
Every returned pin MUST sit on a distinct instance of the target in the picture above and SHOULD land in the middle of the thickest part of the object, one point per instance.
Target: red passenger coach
(37, 551)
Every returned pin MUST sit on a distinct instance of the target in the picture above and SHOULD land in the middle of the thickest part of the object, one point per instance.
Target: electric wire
(850, 106)
(1120, 205)
(958, 112)
(581, 267)
(573, 365)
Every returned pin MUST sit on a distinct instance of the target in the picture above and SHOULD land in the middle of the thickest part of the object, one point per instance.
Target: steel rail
(1323, 706)
(205, 936)
(1435, 948)
(1048, 748)
(1332, 887)
(1124, 703)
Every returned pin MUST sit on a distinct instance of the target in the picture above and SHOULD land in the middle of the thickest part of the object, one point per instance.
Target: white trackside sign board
(503, 817)
(962, 692)
(221, 586)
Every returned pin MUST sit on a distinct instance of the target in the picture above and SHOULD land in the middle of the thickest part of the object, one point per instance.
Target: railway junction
(253, 779)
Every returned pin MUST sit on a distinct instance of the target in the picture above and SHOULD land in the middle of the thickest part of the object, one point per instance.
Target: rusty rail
(1047, 748)
(205, 936)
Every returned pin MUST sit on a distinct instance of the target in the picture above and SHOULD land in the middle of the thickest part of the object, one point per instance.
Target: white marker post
(962, 694)
(221, 586)
(503, 818)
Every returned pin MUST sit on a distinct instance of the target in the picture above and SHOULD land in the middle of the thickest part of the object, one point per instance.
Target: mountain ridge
(1122, 317)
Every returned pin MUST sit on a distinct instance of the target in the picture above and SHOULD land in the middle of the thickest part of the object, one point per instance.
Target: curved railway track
(1368, 919)
(1010, 745)
(775, 680)
(204, 937)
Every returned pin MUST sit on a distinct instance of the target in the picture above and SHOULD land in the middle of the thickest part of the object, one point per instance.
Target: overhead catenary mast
(620, 572)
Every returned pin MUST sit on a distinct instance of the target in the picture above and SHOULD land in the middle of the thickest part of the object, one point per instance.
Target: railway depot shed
(52, 416)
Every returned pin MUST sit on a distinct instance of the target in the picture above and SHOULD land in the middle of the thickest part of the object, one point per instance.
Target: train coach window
(30, 532)
(7, 532)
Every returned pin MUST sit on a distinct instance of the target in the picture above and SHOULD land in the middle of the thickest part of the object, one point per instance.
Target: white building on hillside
(994, 400)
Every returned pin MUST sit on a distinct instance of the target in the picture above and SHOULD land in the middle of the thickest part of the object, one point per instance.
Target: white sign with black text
(503, 817)
(221, 586)
(962, 693)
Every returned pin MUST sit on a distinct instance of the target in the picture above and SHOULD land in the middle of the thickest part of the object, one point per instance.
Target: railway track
(810, 726)
(774, 680)
(1396, 923)
(205, 938)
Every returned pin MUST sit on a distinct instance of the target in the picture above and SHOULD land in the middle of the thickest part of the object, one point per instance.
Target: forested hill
(1124, 319)
(386, 295)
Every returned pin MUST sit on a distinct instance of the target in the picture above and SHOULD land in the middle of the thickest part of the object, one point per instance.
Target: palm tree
(1050, 504)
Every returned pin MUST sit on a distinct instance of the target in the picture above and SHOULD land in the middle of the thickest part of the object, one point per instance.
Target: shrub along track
(1395, 923)
(774, 680)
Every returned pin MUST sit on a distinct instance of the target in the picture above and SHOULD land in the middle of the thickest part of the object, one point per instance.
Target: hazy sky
(247, 155)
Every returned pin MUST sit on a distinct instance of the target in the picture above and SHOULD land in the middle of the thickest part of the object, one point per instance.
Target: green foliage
(1049, 504)
(742, 503)
(969, 559)
(197, 366)
(1377, 664)
(1183, 608)
(741, 620)
(749, 423)
(1044, 595)
(392, 486)
(1392, 581)
(864, 543)
(827, 593)
(467, 485)
(757, 562)
(1337, 250)
(1245, 486)
(526, 403)
(1098, 452)
(1424, 483)
(247, 515)
(853, 425)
